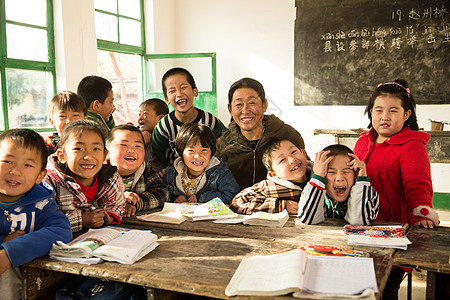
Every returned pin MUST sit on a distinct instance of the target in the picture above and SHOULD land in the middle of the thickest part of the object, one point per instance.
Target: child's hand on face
(180, 199)
(94, 219)
(357, 165)
(5, 263)
(131, 199)
(13, 235)
(321, 163)
(192, 199)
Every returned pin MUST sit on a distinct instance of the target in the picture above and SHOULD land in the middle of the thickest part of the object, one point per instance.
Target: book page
(268, 275)
(128, 247)
(339, 275)
(171, 213)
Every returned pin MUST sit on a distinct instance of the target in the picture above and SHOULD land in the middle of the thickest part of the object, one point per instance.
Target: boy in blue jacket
(30, 220)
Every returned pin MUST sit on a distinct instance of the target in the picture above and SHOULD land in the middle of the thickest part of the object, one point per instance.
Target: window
(27, 67)
(120, 41)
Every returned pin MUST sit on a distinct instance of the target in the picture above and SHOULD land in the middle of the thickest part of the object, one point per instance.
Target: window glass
(124, 72)
(106, 5)
(35, 12)
(130, 32)
(26, 43)
(106, 27)
(28, 94)
(130, 8)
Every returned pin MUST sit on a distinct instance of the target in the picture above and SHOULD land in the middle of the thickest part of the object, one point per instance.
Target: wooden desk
(438, 147)
(191, 261)
(430, 251)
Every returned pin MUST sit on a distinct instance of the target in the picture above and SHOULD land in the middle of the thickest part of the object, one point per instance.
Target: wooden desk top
(430, 250)
(193, 262)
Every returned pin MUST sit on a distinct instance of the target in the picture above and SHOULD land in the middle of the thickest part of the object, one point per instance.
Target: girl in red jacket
(397, 163)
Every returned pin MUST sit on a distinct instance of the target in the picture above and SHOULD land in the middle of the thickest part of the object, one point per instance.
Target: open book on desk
(295, 272)
(177, 213)
(117, 244)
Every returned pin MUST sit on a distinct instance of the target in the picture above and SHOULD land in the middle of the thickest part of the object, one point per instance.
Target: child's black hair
(173, 71)
(338, 149)
(399, 89)
(191, 133)
(77, 128)
(159, 106)
(247, 83)
(93, 88)
(272, 145)
(28, 139)
(125, 127)
(65, 101)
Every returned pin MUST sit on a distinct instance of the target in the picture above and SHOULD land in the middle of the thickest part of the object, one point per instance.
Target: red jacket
(399, 170)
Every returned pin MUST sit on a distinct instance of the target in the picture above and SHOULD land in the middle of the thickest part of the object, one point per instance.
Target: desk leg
(431, 285)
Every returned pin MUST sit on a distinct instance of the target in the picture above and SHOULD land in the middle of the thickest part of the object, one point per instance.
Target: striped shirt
(361, 208)
(165, 132)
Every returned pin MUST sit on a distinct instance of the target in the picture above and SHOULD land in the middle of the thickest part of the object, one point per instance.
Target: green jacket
(104, 126)
(244, 162)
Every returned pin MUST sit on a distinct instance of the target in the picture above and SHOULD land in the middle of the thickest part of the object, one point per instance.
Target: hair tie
(395, 83)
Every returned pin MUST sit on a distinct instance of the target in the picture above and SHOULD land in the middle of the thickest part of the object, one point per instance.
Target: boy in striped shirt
(179, 91)
(338, 189)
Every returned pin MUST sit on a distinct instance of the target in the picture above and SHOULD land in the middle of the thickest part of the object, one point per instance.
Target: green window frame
(118, 46)
(24, 64)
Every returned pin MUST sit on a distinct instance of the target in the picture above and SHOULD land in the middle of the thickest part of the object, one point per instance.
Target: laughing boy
(179, 91)
(339, 189)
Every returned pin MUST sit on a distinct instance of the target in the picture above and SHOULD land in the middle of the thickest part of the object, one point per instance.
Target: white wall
(255, 38)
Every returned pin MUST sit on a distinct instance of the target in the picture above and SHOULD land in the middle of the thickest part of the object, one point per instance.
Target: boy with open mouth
(338, 189)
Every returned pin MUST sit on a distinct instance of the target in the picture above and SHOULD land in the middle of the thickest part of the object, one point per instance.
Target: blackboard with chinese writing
(344, 48)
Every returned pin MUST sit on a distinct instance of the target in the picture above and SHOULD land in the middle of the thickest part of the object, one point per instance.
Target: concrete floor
(419, 282)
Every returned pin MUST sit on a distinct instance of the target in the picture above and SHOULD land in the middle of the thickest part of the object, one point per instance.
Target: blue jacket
(36, 214)
(217, 181)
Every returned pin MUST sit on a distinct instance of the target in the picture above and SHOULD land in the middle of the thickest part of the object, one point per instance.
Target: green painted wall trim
(441, 201)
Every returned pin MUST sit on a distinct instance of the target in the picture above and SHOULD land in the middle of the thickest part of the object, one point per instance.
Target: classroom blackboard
(344, 48)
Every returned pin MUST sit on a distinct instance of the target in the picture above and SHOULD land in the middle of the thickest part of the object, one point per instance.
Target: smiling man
(179, 91)
(242, 145)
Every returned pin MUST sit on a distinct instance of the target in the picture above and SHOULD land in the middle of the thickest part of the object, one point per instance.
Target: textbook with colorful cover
(324, 250)
(377, 236)
(211, 210)
(110, 243)
(295, 272)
